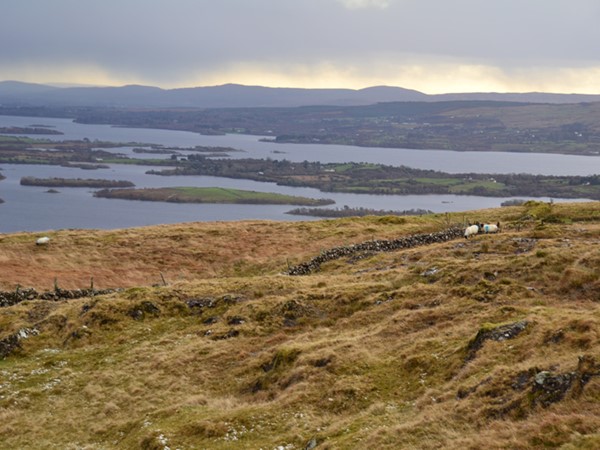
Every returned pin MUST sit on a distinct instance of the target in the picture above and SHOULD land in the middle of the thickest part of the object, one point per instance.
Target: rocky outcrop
(499, 333)
(12, 342)
(519, 395)
(550, 387)
(375, 246)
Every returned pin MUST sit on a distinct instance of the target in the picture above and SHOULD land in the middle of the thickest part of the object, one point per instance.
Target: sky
(434, 46)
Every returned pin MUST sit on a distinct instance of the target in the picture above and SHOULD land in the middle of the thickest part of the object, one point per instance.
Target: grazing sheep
(471, 230)
(489, 227)
(42, 241)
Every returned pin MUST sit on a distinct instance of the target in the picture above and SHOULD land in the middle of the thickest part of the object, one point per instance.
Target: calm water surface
(30, 208)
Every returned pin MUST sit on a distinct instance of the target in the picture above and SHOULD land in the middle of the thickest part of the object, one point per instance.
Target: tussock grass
(368, 352)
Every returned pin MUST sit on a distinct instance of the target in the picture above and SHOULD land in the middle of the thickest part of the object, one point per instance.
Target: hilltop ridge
(487, 342)
(14, 93)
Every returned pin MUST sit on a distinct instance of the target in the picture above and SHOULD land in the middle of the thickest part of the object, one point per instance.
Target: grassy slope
(368, 353)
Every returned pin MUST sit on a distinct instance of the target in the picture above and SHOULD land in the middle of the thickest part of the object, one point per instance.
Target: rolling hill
(205, 341)
(13, 93)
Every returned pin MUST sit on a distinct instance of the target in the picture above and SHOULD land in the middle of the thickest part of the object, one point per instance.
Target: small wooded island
(209, 195)
(30, 130)
(75, 182)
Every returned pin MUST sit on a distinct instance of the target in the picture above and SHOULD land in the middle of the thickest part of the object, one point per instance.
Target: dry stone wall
(19, 295)
(376, 246)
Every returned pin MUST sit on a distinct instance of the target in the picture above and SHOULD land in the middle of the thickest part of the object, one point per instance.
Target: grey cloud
(162, 39)
(359, 4)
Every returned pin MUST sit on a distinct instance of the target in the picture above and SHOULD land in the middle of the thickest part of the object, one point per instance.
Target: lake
(31, 208)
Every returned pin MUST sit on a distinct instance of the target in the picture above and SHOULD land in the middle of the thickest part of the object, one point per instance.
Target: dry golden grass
(138, 256)
(366, 353)
(187, 252)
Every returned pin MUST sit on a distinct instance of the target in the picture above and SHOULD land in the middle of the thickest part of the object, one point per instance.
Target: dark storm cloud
(171, 41)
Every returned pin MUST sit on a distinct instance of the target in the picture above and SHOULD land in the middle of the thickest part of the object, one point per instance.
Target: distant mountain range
(15, 93)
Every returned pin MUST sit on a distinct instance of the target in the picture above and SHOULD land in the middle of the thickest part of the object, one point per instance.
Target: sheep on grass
(471, 230)
(489, 227)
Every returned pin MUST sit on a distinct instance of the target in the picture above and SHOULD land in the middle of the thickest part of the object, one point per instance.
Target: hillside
(491, 342)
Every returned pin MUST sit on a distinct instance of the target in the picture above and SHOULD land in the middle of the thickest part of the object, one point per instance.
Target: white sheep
(42, 241)
(471, 230)
(490, 227)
